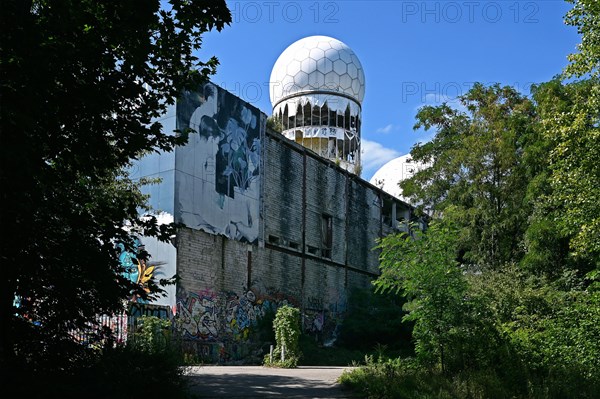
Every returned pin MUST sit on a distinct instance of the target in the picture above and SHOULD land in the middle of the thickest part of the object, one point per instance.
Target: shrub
(287, 335)
(148, 365)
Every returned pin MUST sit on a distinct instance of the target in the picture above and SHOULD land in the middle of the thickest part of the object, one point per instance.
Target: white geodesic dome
(395, 171)
(317, 65)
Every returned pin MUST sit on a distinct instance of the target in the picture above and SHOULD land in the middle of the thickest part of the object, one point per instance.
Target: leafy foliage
(477, 178)
(585, 15)
(425, 270)
(82, 84)
(551, 332)
(383, 377)
(564, 231)
(148, 365)
(287, 336)
(274, 124)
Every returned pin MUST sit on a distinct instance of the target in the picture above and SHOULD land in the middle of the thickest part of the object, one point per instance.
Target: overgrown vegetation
(503, 287)
(148, 365)
(274, 124)
(287, 335)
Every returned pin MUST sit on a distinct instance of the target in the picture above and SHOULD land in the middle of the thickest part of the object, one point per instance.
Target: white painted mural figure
(221, 164)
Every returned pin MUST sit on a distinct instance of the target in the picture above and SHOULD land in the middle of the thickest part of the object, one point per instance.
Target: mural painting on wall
(137, 267)
(219, 179)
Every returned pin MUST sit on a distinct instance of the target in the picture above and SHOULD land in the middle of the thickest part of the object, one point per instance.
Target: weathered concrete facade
(314, 236)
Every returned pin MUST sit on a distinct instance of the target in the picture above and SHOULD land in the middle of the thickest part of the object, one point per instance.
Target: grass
(314, 354)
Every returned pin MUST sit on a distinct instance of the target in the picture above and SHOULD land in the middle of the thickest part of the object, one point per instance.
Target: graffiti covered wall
(217, 173)
(218, 325)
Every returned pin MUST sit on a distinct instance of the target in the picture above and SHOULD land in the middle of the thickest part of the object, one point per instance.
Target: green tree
(423, 267)
(585, 15)
(564, 230)
(82, 83)
(478, 178)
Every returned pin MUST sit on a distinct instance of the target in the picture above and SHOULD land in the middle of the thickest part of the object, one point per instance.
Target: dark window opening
(326, 235)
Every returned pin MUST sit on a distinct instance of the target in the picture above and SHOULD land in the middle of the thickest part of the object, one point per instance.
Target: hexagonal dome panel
(316, 53)
(355, 86)
(340, 67)
(332, 81)
(293, 68)
(324, 65)
(352, 71)
(317, 63)
(301, 79)
(301, 54)
(324, 45)
(308, 65)
(346, 56)
(316, 80)
(345, 82)
(332, 54)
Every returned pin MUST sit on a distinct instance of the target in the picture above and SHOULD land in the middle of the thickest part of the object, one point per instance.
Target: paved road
(262, 382)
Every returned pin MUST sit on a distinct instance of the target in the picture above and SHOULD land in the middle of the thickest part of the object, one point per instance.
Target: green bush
(148, 365)
(382, 377)
(287, 335)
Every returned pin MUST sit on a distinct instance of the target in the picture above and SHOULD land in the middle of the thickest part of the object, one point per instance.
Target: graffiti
(243, 312)
(137, 309)
(239, 156)
(314, 303)
(137, 269)
(313, 322)
(219, 326)
(223, 316)
(197, 316)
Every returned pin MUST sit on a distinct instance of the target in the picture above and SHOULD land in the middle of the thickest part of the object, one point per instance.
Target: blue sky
(413, 53)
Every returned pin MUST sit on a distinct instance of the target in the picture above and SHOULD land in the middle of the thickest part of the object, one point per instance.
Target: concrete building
(269, 220)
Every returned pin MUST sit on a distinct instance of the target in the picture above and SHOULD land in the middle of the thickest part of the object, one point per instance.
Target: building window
(326, 235)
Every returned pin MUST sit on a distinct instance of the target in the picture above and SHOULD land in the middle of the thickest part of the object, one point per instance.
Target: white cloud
(374, 156)
(386, 129)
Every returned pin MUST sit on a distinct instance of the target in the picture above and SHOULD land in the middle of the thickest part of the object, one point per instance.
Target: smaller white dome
(395, 171)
